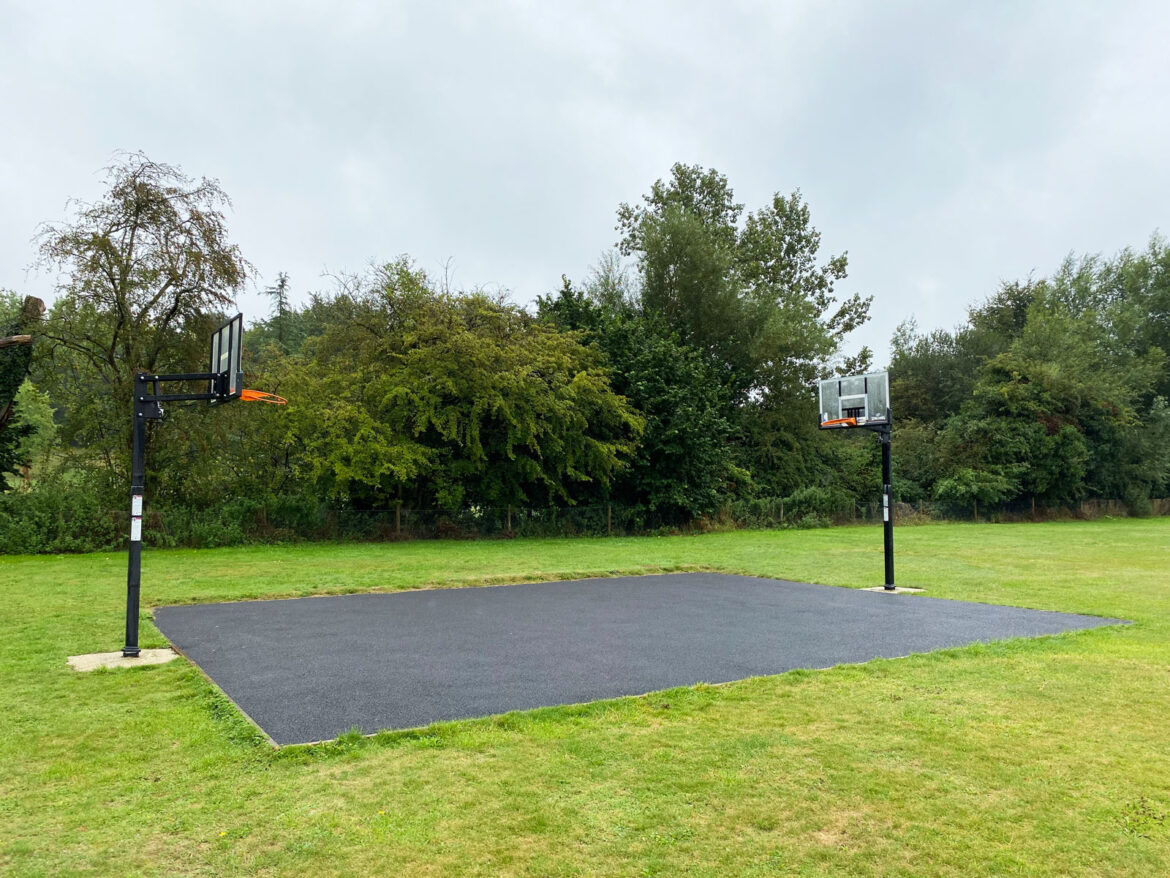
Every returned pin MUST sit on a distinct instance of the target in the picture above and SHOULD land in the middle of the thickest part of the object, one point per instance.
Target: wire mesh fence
(480, 522)
(405, 523)
(82, 528)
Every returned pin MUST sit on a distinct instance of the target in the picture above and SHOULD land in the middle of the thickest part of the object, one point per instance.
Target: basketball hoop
(851, 402)
(262, 396)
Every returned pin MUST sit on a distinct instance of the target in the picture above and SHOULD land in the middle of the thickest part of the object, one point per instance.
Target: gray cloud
(946, 147)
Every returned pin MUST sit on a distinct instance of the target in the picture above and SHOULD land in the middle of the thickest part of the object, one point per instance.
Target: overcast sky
(945, 146)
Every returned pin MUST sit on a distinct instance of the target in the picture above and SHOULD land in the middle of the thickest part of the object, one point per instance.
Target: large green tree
(1127, 295)
(684, 465)
(145, 272)
(754, 296)
(452, 400)
(1058, 404)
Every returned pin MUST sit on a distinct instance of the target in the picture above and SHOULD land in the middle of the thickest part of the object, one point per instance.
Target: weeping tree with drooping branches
(143, 274)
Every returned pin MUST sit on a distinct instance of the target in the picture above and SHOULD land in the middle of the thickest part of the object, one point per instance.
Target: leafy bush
(52, 519)
(757, 512)
(968, 488)
(817, 506)
(811, 520)
(226, 525)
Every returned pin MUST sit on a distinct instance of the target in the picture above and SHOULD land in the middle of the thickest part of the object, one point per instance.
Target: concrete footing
(95, 660)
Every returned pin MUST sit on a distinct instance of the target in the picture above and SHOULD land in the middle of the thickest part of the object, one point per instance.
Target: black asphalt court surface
(308, 669)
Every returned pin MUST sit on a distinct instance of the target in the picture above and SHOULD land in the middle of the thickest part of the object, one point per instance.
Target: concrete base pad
(895, 590)
(96, 660)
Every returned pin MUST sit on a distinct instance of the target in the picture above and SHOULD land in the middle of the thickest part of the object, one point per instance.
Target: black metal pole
(137, 489)
(146, 407)
(887, 507)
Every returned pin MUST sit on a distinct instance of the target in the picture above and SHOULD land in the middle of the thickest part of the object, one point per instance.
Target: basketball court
(309, 669)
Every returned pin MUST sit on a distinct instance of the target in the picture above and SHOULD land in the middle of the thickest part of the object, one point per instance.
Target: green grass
(1040, 757)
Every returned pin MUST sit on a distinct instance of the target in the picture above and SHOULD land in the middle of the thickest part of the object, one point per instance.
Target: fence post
(609, 519)
(509, 518)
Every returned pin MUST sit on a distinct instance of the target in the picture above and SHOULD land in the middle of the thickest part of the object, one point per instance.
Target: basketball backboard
(227, 345)
(855, 401)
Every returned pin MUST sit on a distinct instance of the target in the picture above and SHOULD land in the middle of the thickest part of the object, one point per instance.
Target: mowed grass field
(1040, 757)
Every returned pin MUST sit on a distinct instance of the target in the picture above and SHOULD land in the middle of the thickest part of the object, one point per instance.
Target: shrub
(817, 506)
(54, 518)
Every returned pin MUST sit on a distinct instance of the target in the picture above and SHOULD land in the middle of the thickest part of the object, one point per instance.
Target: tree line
(675, 381)
(1053, 390)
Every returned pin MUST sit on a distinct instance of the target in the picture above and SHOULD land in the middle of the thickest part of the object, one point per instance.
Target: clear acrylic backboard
(855, 401)
(227, 344)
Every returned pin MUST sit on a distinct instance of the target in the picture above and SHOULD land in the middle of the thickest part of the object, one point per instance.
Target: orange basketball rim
(262, 396)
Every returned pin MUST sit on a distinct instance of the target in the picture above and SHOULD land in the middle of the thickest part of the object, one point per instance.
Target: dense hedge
(55, 522)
